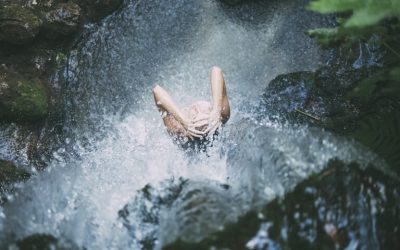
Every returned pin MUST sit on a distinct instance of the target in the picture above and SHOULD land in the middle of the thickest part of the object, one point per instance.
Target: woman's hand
(212, 120)
(191, 130)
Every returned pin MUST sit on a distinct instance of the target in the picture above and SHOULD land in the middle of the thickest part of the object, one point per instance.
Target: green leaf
(364, 12)
(332, 6)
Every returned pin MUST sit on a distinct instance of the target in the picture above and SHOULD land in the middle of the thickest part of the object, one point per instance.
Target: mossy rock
(9, 173)
(22, 99)
(18, 25)
(62, 20)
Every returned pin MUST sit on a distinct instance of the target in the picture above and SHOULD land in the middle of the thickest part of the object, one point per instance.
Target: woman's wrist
(182, 120)
(217, 109)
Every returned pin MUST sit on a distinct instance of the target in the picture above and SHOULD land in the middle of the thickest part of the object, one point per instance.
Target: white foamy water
(115, 139)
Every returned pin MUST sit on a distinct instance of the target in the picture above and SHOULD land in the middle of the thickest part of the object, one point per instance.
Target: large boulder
(18, 25)
(343, 207)
(21, 99)
(62, 20)
(177, 209)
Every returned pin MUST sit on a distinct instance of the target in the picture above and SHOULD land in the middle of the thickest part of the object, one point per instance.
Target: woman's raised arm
(165, 103)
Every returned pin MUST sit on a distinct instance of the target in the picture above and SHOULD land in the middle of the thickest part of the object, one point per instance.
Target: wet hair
(197, 144)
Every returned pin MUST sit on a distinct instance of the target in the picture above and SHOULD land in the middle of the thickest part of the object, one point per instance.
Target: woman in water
(199, 119)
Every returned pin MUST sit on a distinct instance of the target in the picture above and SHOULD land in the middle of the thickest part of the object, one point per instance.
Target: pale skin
(199, 119)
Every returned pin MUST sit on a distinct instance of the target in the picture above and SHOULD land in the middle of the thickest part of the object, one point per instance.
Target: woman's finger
(195, 131)
(212, 132)
(200, 123)
(195, 135)
(213, 127)
(199, 119)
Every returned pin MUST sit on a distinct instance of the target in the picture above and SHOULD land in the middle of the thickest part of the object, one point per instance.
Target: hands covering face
(203, 124)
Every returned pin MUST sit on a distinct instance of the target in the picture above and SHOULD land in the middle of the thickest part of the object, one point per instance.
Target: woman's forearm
(165, 103)
(217, 87)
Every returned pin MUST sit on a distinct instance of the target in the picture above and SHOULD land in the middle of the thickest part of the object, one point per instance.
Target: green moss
(32, 99)
(22, 99)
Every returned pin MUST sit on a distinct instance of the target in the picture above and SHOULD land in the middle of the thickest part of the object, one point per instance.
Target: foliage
(377, 95)
(366, 18)
(364, 12)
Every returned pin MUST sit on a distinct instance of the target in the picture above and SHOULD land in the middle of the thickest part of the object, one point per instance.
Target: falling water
(115, 142)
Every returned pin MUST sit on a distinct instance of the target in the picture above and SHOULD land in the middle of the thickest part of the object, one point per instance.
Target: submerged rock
(45, 242)
(62, 20)
(21, 99)
(344, 206)
(9, 173)
(177, 209)
(18, 25)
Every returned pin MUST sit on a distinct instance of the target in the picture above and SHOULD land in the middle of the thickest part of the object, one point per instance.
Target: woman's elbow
(216, 69)
(156, 88)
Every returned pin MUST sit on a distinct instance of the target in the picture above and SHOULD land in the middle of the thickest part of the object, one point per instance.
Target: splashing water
(115, 142)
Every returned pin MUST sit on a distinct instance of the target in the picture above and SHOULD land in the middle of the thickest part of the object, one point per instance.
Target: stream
(115, 143)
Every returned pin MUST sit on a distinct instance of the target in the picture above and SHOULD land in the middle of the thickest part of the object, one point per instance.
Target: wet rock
(182, 209)
(98, 9)
(321, 99)
(287, 92)
(343, 207)
(21, 99)
(62, 20)
(309, 97)
(45, 242)
(18, 25)
(9, 174)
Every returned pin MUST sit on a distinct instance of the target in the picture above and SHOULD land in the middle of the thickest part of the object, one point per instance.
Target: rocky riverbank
(35, 39)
